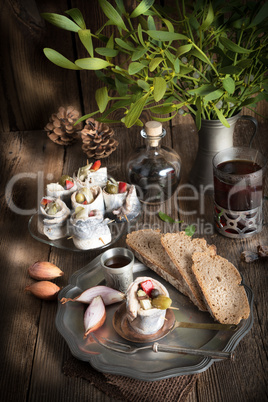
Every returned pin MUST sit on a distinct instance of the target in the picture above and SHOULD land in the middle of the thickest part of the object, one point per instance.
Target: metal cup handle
(254, 121)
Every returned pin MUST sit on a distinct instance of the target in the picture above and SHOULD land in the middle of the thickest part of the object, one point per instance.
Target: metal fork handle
(197, 352)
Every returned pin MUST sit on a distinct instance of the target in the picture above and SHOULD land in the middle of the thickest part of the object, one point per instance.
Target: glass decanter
(152, 168)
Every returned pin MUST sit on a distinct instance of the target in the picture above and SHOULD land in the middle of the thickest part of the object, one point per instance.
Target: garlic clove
(43, 270)
(44, 290)
(94, 316)
(109, 295)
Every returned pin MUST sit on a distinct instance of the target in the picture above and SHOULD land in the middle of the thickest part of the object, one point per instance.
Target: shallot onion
(94, 316)
(109, 295)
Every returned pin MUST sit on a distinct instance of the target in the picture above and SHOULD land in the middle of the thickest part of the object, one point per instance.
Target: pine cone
(60, 128)
(97, 139)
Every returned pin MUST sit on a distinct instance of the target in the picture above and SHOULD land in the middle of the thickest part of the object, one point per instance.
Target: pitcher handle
(254, 121)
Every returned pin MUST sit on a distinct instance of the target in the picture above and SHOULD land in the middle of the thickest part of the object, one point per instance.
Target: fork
(156, 347)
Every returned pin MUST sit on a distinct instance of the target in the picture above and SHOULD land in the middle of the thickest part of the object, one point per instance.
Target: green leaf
(154, 63)
(135, 67)
(142, 8)
(170, 56)
(135, 111)
(143, 84)
(183, 49)
(105, 51)
(139, 52)
(164, 119)
(140, 35)
(102, 98)
(160, 87)
(230, 70)
(166, 36)
(110, 43)
(221, 117)
(77, 16)
(214, 95)
(121, 87)
(177, 66)
(150, 23)
(93, 63)
(61, 61)
(125, 45)
(229, 85)
(86, 116)
(61, 21)
(121, 6)
(166, 218)
(199, 55)
(203, 90)
(163, 109)
(209, 18)
(244, 63)
(112, 14)
(228, 44)
(190, 230)
(261, 15)
(86, 39)
(117, 105)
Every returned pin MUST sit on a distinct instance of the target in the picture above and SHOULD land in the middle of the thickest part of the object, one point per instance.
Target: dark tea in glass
(238, 191)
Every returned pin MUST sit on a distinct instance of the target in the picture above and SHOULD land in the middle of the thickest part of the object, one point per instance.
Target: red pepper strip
(96, 165)
(45, 201)
(122, 187)
(69, 184)
(147, 286)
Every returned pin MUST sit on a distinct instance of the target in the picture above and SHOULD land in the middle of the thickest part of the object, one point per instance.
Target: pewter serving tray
(144, 365)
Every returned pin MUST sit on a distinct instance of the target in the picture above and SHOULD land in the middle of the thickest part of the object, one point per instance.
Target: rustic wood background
(31, 87)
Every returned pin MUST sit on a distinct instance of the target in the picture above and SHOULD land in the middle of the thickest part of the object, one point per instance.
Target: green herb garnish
(189, 230)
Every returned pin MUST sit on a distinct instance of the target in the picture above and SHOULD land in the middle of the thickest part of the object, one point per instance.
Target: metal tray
(144, 365)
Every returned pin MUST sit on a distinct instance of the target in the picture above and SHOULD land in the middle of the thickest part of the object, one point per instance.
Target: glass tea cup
(117, 266)
(239, 175)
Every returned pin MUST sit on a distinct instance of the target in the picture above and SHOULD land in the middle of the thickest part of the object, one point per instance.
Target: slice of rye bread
(146, 246)
(220, 283)
(180, 249)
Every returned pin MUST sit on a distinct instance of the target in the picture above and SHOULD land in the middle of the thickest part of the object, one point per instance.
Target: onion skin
(95, 316)
(44, 270)
(109, 295)
(44, 290)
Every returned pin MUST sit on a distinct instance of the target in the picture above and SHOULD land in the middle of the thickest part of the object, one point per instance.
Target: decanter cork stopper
(153, 128)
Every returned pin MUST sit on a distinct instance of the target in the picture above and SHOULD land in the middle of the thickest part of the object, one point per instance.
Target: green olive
(111, 188)
(63, 179)
(52, 209)
(162, 302)
(80, 198)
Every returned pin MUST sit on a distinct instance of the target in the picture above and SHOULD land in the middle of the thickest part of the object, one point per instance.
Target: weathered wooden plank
(19, 311)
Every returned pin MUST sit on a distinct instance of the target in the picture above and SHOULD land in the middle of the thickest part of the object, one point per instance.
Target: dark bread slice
(180, 249)
(146, 246)
(220, 283)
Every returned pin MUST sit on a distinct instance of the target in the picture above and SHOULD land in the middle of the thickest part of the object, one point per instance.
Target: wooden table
(32, 351)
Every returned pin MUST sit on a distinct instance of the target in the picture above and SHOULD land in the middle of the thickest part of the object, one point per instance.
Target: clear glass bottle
(152, 168)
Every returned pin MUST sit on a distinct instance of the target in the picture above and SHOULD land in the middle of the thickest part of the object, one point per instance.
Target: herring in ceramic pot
(55, 213)
(146, 304)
